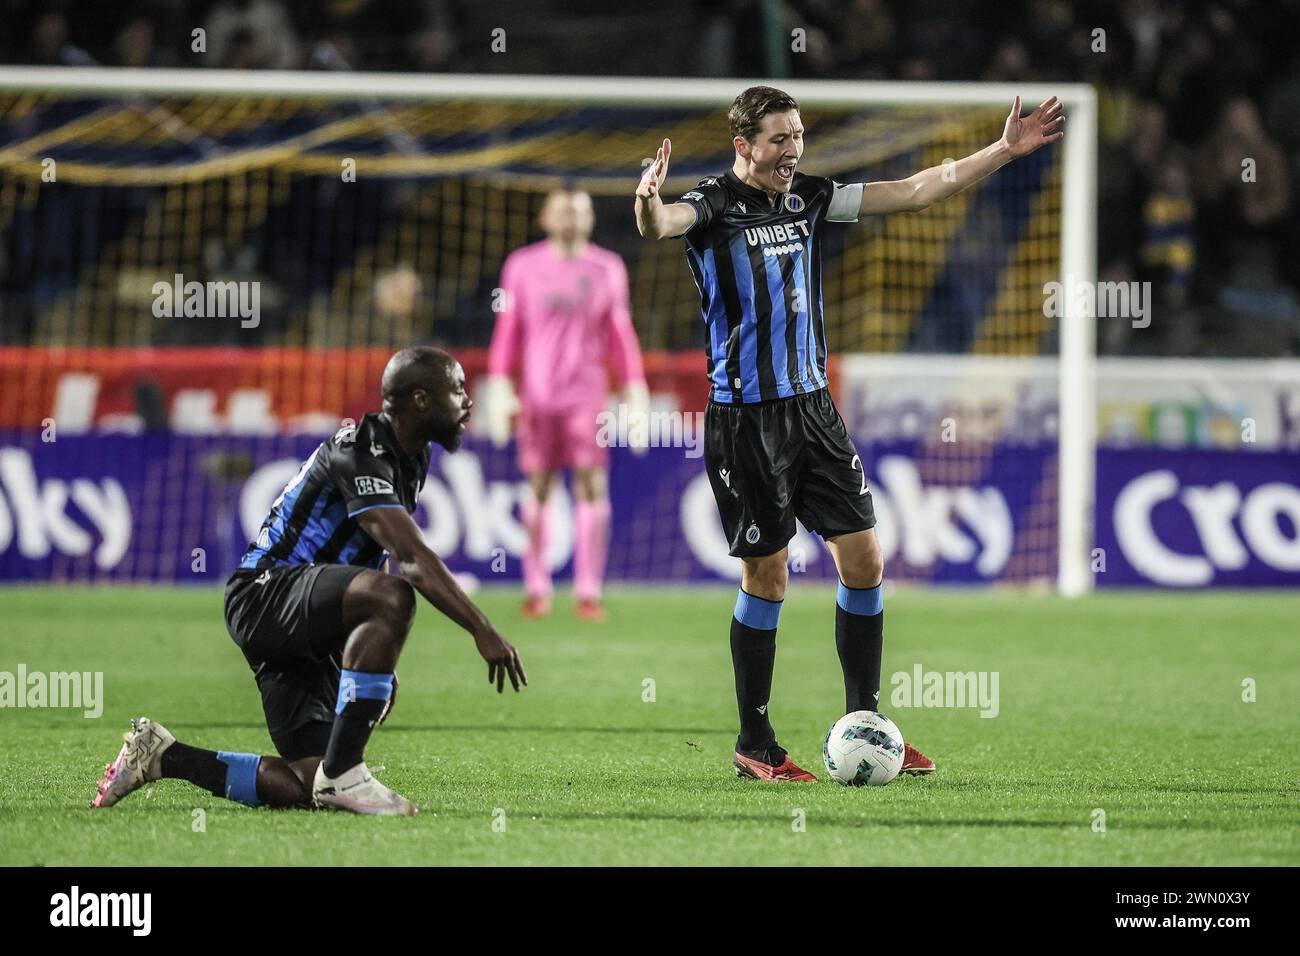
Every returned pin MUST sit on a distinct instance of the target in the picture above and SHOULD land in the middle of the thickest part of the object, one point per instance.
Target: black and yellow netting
(368, 223)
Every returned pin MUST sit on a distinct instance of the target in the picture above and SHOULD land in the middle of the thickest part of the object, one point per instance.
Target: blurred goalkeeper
(564, 320)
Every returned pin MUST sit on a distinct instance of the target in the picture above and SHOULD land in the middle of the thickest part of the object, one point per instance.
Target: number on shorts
(857, 463)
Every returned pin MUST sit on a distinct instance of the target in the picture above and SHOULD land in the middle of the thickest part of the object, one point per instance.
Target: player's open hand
(1024, 134)
(503, 660)
(655, 173)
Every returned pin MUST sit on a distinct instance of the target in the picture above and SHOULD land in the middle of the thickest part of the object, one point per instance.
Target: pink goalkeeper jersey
(562, 321)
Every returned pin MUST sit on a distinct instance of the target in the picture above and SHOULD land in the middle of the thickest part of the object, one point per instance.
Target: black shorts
(288, 621)
(772, 462)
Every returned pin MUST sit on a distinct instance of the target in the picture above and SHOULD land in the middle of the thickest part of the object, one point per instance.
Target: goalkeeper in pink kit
(564, 321)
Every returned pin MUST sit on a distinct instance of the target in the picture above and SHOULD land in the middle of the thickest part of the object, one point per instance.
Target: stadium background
(171, 432)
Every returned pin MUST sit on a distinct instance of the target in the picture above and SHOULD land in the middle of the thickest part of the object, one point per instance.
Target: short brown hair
(747, 112)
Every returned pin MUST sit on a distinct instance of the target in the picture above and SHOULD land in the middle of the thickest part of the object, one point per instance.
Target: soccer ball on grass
(863, 749)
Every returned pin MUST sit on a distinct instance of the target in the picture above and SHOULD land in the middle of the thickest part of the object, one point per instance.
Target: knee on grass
(279, 785)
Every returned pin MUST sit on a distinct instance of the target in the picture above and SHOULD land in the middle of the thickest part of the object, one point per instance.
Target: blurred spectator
(1243, 189)
(1186, 92)
(1010, 63)
(246, 34)
(134, 45)
(1168, 223)
(49, 35)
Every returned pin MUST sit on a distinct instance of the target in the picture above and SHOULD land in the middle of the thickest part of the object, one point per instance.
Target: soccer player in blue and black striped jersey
(320, 622)
(775, 446)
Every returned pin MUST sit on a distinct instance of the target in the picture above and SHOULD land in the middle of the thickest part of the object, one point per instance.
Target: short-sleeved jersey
(758, 269)
(313, 521)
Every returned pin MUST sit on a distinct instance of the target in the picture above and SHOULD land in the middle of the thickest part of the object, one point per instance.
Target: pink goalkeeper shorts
(549, 441)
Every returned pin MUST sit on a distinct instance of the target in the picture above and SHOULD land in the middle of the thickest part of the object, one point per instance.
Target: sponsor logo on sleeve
(367, 485)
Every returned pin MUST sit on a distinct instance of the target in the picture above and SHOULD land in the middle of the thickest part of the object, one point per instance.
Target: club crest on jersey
(793, 203)
(373, 486)
(752, 534)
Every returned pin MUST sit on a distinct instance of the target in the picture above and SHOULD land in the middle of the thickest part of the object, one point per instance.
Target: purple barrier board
(178, 508)
(1198, 518)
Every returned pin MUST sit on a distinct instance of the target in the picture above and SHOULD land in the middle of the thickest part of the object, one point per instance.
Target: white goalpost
(1077, 238)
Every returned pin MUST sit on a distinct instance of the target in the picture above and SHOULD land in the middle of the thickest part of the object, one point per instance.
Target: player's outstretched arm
(395, 532)
(654, 219)
(1020, 137)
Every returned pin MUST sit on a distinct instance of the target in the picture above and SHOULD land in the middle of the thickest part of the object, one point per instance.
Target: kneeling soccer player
(320, 623)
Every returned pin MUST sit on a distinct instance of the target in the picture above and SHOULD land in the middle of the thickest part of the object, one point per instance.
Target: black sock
(753, 655)
(349, 735)
(361, 700)
(198, 766)
(860, 638)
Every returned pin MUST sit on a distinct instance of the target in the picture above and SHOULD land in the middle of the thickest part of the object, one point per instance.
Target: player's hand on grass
(655, 173)
(502, 658)
(1024, 134)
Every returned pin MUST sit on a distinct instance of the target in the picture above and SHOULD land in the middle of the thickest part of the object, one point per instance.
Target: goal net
(202, 273)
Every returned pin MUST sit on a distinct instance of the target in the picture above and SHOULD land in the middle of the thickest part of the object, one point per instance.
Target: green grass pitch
(1128, 703)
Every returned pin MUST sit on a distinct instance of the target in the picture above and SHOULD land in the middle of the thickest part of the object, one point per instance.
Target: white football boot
(138, 763)
(357, 790)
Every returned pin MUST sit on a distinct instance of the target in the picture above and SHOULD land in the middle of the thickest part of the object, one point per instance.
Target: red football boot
(536, 607)
(590, 609)
(786, 771)
(915, 762)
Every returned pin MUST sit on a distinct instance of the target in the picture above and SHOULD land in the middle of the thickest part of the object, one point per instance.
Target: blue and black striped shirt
(313, 521)
(758, 269)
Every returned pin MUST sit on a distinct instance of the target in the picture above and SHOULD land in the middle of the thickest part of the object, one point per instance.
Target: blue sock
(241, 776)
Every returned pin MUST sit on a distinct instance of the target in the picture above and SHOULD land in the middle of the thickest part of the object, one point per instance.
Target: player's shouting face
(771, 156)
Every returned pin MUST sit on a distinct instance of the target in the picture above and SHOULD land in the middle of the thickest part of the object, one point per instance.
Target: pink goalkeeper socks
(537, 524)
(591, 534)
